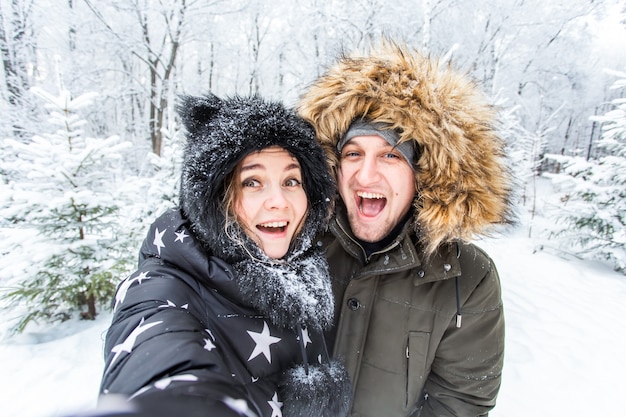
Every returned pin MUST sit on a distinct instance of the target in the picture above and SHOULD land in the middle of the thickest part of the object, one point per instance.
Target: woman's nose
(276, 198)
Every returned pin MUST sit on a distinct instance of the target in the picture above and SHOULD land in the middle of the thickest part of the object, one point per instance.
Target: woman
(226, 312)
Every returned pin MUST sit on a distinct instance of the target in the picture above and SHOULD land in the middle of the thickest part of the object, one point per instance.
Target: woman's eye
(250, 182)
(292, 182)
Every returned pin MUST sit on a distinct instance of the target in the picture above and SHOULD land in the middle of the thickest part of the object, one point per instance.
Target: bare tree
(161, 60)
(17, 45)
(161, 34)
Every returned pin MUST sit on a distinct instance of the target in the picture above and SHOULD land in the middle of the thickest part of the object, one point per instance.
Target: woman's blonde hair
(232, 194)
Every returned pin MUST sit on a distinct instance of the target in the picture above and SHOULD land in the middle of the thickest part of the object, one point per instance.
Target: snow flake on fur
(291, 293)
(317, 390)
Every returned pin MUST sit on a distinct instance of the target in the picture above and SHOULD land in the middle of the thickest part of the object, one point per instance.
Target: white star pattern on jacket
(158, 239)
(180, 236)
(165, 382)
(263, 341)
(162, 384)
(125, 285)
(240, 406)
(171, 304)
(276, 406)
(305, 336)
(129, 343)
(208, 343)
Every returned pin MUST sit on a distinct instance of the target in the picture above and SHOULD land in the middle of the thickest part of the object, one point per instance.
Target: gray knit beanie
(366, 128)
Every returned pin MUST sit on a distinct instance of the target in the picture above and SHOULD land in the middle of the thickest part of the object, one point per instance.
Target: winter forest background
(90, 143)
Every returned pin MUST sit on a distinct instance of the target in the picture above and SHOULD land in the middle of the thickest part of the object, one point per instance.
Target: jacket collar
(402, 254)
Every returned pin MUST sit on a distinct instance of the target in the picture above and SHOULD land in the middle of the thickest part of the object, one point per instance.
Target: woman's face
(271, 203)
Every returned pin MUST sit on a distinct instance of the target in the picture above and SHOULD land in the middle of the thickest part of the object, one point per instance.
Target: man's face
(376, 184)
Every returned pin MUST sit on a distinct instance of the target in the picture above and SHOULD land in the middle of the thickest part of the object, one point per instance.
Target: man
(420, 172)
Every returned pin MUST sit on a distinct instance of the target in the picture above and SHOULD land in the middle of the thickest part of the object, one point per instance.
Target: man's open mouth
(370, 204)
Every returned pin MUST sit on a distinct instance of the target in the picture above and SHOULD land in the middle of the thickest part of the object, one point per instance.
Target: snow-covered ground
(565, 354)
(566, 338)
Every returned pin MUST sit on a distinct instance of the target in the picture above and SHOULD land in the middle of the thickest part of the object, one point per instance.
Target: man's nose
(368, 171)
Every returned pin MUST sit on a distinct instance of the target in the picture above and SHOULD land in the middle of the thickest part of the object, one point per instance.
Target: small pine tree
(593, 214)
(61, 199)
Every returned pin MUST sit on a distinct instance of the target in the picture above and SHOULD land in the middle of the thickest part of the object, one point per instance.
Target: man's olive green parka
(398, 331)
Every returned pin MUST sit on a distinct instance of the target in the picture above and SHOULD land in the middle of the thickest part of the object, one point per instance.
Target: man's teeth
(370, 195)
(274, 224)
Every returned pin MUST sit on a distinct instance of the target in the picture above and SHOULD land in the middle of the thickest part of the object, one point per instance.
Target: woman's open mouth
(273, 227)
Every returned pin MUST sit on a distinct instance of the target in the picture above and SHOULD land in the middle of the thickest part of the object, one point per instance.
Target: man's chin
(368, 230)
(367, 233)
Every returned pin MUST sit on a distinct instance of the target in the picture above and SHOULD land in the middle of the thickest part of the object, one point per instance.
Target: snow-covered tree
(65, 249)
(154, 189)
(525, 151)
(593, 214)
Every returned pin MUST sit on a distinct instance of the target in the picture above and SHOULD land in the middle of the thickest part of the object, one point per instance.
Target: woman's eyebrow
(291, 166)
(250, 167)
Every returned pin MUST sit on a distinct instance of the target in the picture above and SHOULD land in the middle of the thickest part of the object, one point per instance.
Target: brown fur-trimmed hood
(463, 184)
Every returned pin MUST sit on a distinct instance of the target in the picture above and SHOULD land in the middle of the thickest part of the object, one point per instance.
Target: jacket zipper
(406, 388)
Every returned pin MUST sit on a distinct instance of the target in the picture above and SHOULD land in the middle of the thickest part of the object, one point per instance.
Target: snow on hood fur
(220, 133)
(463, 185)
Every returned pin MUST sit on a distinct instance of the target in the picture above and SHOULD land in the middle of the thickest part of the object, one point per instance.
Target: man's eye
(391, 155)
(349, 154)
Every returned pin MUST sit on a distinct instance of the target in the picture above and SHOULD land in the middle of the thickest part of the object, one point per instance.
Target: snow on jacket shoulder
(180, 330)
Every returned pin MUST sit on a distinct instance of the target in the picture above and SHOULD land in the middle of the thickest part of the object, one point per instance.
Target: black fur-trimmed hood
(220, 133)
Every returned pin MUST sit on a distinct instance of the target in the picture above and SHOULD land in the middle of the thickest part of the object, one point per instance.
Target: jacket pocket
(416, 357)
